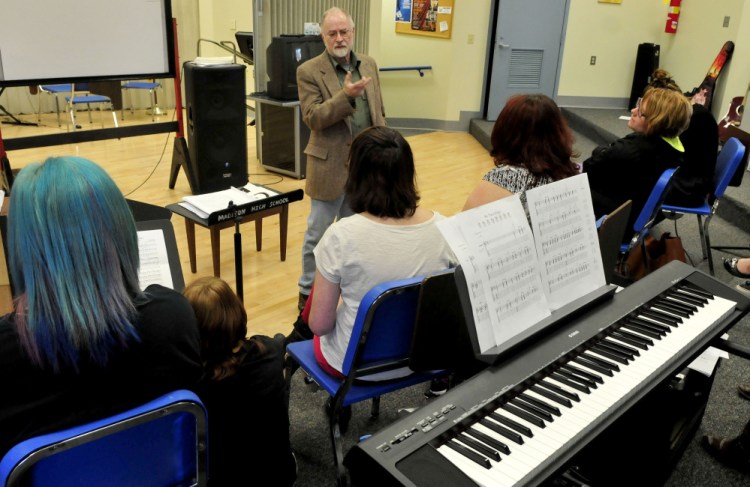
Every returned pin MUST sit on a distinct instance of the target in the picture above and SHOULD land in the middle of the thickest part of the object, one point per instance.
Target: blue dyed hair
(73, 256)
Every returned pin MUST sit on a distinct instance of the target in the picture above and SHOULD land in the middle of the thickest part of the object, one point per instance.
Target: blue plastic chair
(728, 161)
(150, 86)
(56, 91)
(647, 217)
(381, 342)
(160, 443)
(81, 96)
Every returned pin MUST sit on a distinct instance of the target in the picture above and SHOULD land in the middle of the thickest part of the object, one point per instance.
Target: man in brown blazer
(339, 93)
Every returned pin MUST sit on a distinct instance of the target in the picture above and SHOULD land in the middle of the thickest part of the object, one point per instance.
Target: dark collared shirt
(361, 119)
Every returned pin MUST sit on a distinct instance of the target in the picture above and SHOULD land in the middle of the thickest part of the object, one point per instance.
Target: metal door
(528, 41)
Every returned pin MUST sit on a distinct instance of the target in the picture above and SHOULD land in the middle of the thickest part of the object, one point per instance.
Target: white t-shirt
(358, 254)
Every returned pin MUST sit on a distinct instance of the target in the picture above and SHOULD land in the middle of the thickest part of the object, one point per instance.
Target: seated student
(628, 168)
(694, 181)
(243, 391)
(531, 146)
(389, 237)
(83, 340)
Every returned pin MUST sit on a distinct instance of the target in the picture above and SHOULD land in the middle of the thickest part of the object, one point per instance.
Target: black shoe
(729, 451)
(744, 391)
(438, 387)
(302, 301)
(731, 266)
(345, 414)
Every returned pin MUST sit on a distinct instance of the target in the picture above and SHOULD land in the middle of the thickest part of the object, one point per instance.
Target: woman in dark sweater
(628, 168)
(244, 392)
(83, 341)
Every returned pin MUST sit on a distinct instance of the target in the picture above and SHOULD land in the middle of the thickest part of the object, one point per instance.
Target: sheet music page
(567, 243)
(154, 269)
(496, 251)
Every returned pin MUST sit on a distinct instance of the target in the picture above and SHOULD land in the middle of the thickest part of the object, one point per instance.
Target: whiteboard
(70, 40)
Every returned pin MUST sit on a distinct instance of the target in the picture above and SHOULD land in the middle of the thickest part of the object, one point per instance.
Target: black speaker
(646, 62)
(216, 123)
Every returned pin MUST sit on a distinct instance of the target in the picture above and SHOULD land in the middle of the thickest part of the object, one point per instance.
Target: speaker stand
(180, 157)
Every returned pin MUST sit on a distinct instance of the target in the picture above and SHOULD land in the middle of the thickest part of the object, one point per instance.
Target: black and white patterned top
(516, 179)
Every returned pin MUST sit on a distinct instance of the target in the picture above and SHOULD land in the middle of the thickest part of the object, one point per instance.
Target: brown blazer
(326, 110)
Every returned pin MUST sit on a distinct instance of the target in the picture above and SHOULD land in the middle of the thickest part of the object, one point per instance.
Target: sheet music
(567, 244)
(205, 204)
(154, 268)
(495, 247)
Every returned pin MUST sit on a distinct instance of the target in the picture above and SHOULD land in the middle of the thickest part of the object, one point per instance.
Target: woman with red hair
(532, 145)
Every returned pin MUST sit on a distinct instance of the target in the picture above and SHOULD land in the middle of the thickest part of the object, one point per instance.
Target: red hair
(531, 132)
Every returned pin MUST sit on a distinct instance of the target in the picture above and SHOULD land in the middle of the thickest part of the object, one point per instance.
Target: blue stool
(141, 85)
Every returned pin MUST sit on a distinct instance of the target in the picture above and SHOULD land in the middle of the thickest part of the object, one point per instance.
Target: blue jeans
(322, 215)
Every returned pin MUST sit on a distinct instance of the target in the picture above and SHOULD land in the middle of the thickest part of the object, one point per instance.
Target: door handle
(503, 45)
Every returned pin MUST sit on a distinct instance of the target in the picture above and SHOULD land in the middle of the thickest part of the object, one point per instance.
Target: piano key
(643, 330)
(480, 475)
(502, 430)
(622, 347)
(680, 304)
(513, 422)
(662, 328)
(666, 307)
(660, 316)
(690, 298)
(593, 356)
(634, 340)
(576, 370)
(475, 457)
(488, 440)
(531, 409)
(592, 365)
(478, 446)
(551, 396)
(571, 376)
(695, 290)
(540, 403)
(558, 390)
(610, 354)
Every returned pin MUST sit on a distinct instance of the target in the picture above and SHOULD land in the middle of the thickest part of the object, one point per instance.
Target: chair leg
(114, 113)
(707, 238)
(338, 450)
(88, 107)
(375, 407)
(702, 237)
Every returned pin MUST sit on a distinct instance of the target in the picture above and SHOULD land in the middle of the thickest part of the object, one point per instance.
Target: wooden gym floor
(448, 167)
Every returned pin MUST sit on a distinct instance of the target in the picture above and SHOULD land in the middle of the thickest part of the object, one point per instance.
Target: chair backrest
(653, 204)
(162, 442)
(611, 234)
(384, 326)
(726, 165)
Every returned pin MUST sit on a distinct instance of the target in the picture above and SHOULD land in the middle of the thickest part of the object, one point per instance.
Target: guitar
(709, 82)
(733, 116)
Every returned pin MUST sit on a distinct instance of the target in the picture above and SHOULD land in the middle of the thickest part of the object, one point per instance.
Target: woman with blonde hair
(629, 167)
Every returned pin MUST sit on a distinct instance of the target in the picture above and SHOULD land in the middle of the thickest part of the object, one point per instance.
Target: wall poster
(433, 18)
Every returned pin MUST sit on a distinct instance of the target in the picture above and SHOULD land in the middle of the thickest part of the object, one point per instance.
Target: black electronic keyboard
(519, 421)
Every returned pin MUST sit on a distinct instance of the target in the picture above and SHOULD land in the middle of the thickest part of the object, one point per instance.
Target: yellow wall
(455, 82)
(612, 33)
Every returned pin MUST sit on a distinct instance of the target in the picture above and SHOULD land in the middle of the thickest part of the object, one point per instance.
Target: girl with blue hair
(83, 340)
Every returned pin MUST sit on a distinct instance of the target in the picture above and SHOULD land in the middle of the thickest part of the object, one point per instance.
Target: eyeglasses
(335, 33)
(638, 108)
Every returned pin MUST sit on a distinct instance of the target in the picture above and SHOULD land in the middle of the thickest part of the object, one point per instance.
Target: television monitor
(245, 43)
(103, 45)
(283, 56)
